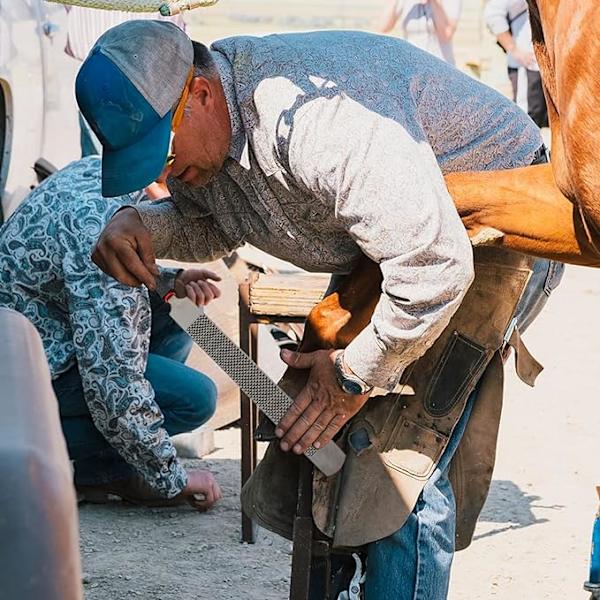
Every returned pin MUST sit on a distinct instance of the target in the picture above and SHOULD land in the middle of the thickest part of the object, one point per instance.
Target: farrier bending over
(316, 148)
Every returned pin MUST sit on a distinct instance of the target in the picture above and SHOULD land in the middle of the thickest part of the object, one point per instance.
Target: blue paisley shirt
(86, 317)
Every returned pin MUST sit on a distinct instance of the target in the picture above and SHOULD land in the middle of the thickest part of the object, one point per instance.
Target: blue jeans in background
(186, 397)
(414, 563)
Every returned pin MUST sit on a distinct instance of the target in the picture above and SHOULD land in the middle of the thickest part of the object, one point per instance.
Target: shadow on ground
(511, 508)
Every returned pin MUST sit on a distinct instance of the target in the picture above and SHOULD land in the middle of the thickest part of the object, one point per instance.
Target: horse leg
(339, 317)
(525, 205)
(527, 208)
(576, 55)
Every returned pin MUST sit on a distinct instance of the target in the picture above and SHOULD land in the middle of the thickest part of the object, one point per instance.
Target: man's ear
(201, 90)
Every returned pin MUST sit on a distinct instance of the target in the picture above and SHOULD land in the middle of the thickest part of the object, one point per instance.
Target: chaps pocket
(461, 363)
(416, 449)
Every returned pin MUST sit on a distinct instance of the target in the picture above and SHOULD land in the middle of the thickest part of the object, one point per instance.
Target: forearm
(390, 197)
(444, 26)
(179, 237)
(495, 15)
(388, 18)
(402, 328)
(507, 41)
(111, 332)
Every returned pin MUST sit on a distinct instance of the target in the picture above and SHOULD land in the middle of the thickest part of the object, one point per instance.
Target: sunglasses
(178, 113)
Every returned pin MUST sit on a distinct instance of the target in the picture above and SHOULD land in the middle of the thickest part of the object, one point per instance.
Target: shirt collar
(238, 149)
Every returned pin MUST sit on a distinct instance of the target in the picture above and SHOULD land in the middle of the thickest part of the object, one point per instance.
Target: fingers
(305, 423)
(210, 275)
(216, 292)
(196, 286)
(325, 427)
(330, 431)
(293, 413)
(135, 268)
(198, 274)
(298, 360)
(204, 500)
(115, 266)
(146, 252)
(124, 250)
(202, 292)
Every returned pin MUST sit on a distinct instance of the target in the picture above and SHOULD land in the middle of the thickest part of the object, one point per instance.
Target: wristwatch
(349, 382)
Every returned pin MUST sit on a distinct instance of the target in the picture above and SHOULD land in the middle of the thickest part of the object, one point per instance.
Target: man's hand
(524, 58)
(321, 408)
(202, 489)
(195, 284)
(124, 250)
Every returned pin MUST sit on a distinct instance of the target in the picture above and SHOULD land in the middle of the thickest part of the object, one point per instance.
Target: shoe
(134, 490)
(282, 339)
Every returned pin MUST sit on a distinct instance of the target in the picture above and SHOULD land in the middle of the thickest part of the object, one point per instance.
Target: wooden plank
(291, 295)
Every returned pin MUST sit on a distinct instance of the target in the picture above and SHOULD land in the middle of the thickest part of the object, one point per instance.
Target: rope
(167, 8)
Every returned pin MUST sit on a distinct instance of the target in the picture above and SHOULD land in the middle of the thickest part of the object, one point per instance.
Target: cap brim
(132, 168)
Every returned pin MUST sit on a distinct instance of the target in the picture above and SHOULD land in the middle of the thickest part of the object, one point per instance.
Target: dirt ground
(532, 539)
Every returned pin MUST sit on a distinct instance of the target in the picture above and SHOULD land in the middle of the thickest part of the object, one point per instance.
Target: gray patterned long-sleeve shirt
(85, 317)
(339, 143)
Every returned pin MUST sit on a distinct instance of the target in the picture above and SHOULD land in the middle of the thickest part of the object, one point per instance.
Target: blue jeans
(414, 563)
(186, 398)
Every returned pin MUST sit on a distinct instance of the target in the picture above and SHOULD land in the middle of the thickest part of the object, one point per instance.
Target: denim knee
(186, 397)
(202, 401)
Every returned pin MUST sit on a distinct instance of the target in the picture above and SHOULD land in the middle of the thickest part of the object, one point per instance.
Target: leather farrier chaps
(395, 442)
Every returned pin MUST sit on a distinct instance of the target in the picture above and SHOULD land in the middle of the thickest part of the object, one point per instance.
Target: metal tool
(357, 580)
(593, 585)
(253, 381)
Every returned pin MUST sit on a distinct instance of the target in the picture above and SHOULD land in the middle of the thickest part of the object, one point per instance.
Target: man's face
(202, 140)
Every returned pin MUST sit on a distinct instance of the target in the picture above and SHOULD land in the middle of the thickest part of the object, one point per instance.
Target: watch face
(352, 387)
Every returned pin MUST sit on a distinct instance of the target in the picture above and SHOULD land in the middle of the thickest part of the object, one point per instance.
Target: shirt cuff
(170, 483)
(159, 218)
(165, 282)
(376, 366)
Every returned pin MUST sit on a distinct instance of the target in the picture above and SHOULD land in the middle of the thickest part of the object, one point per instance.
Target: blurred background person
(84, 27)
(428, 24)
(508, 20)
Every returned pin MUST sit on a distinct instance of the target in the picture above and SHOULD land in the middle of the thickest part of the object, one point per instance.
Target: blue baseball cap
(127, 90)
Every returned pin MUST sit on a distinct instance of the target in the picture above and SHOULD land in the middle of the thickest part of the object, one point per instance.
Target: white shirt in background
(418, 28)
(513, 15)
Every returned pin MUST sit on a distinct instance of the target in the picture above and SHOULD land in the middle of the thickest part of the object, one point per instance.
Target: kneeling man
(117, 364)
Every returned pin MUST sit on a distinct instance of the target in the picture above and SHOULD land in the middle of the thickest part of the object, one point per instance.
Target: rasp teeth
(252, 380)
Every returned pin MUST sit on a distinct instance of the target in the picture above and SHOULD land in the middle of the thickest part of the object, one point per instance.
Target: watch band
(349, 381)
